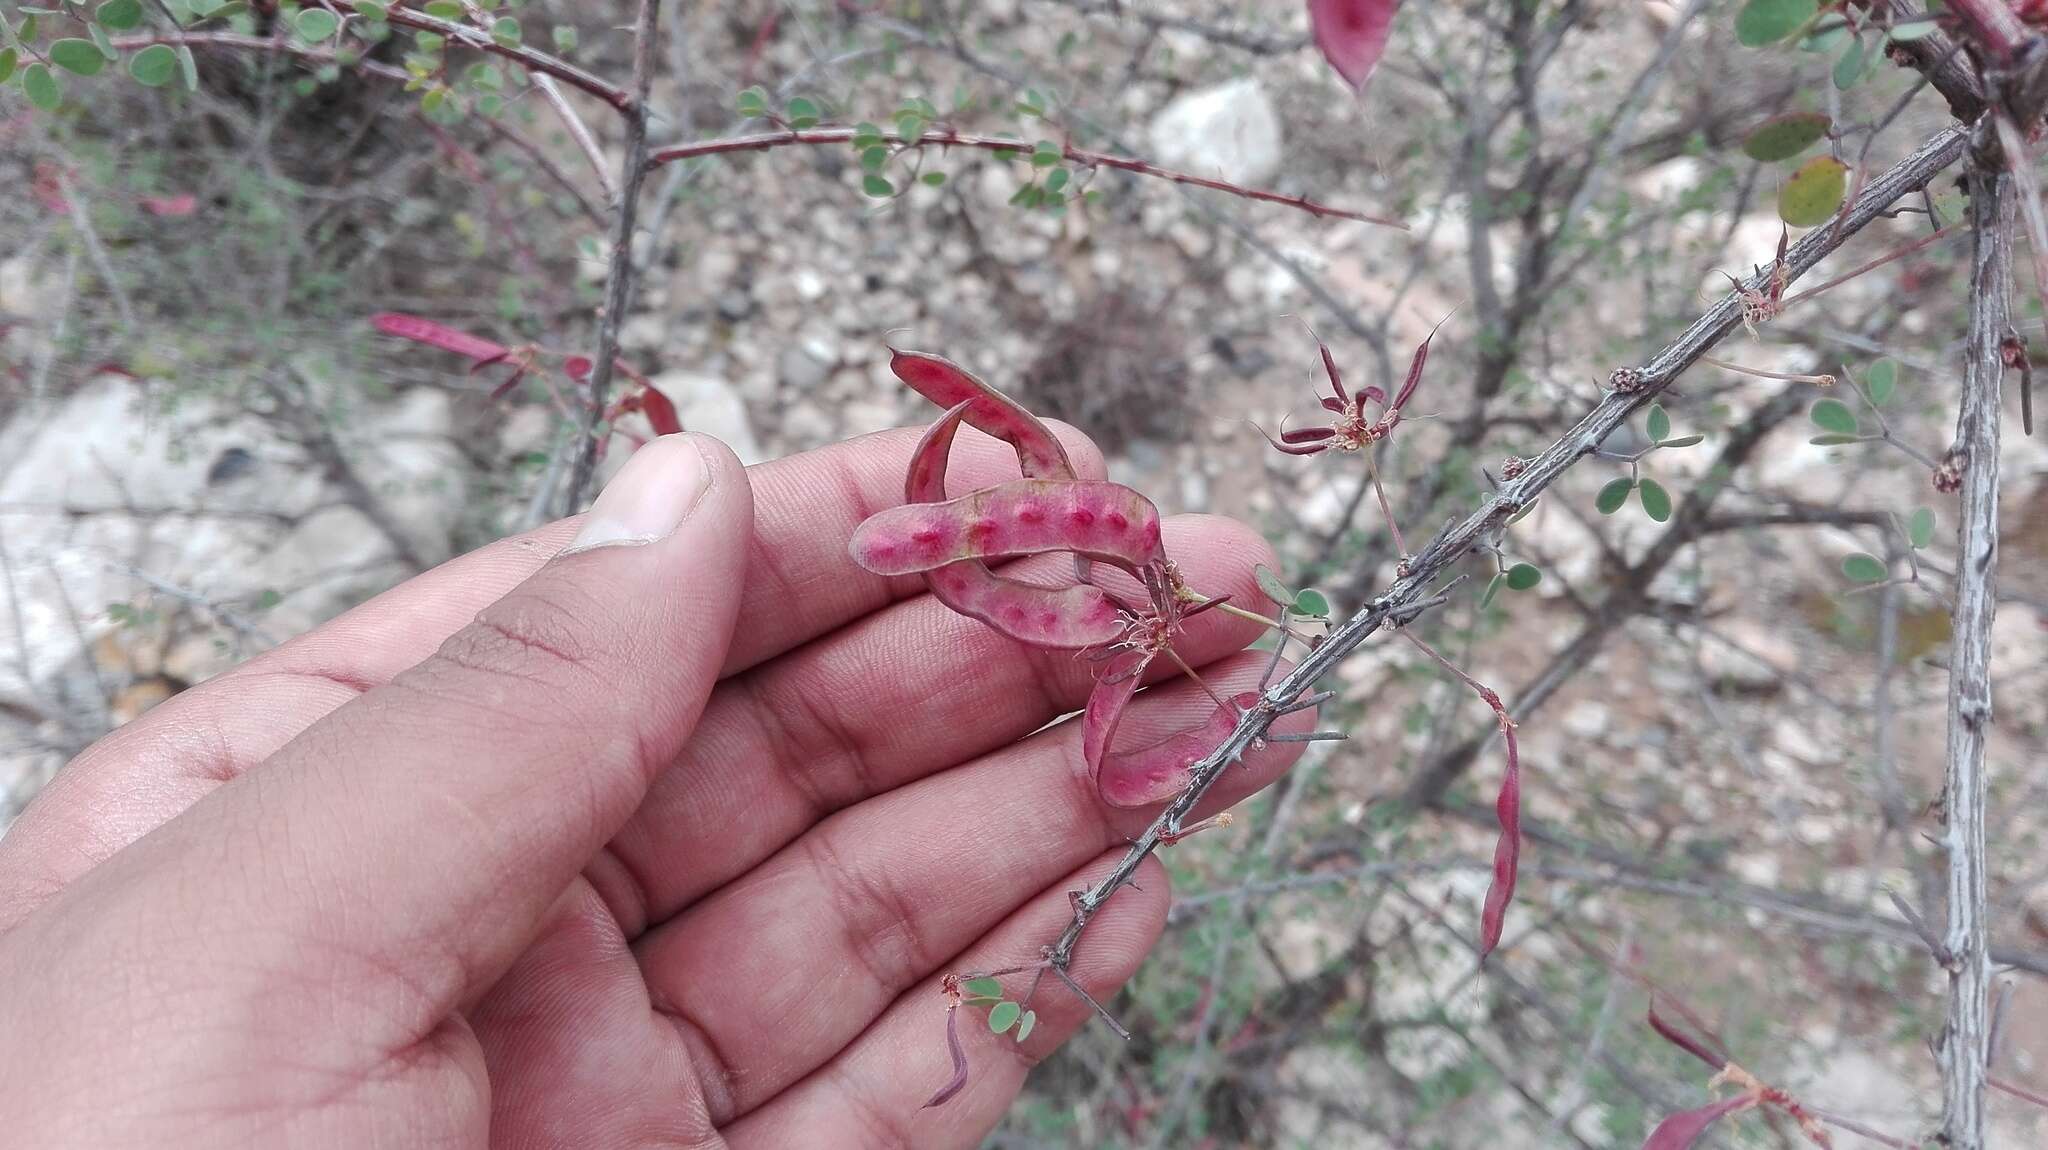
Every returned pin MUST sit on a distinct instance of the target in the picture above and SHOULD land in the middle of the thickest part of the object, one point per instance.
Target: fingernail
(649, 498)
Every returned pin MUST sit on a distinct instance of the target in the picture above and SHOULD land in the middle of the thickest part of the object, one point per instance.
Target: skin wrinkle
(1059, 827)
(890, 916)
(717, 1081)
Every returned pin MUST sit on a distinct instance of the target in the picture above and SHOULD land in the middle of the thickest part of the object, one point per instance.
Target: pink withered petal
(1415, 365)
(958, 1082)
(1681, 1130)
(1295, 448)
(1686, 1042)
(1352, 35)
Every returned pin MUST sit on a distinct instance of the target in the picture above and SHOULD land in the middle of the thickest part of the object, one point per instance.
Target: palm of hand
(670, 845)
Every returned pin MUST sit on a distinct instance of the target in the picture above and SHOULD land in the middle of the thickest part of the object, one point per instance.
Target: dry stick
(81, 222)
(1907, 176)
(1821, 380)
(1960, 1050)
(618, 281)
(951, 138)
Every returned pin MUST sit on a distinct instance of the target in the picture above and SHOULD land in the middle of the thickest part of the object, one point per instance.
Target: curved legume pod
(1156, 773)
(1039, 452)
(1106, 705)
(947, 384)
(1078, 616)
(1101, 520)
(1507, 849)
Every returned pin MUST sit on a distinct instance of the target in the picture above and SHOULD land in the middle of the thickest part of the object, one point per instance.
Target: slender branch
(618, 284)
(579, 132)
(81, 222)
(534, 61)
(1010, 145)
(1907, 176)
(1868, 265)
(1960, 1051)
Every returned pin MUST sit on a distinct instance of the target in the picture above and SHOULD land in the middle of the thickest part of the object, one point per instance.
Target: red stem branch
(951, 138)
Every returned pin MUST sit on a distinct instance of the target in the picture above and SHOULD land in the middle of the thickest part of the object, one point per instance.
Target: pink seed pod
(433, 334)
(1106, 705)
(1156, 773)
(1101, 520)
(947, 383)
(1077, 616)
(1066, 617)
(1507, 850)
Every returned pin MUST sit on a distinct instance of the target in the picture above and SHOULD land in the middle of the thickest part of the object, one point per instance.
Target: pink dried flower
(1355, 429)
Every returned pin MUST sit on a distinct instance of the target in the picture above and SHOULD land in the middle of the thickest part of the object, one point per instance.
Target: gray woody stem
(618, 280)
(1907, 176)
(1963, 1043)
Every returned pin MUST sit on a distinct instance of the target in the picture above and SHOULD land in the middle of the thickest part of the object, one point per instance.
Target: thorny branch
(1960, 1050)
(619, 277)
(1003, 145)
(1907, 176)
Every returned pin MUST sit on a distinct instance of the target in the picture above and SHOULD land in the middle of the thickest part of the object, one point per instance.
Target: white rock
(1229, 131)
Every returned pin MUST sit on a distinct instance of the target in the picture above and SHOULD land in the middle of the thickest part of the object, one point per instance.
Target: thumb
(435, 819)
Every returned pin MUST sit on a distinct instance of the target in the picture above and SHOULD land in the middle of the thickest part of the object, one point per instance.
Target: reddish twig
(952, 138)
(1872, 265)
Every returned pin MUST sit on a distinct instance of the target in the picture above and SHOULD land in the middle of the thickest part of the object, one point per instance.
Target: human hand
(666, 840)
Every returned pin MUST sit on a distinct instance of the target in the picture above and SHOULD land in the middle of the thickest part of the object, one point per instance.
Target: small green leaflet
(154, 66)
(80, 56)
(1833, 415)
(1814, 192)
(317, 24)
(1863, 568)
(1003, 1015)
(1920, 527)
(1882, 381)
(1659, 423)
(1613, 495)
(1656, 500)
(41, 87)
(1783, 137)
(1523, 576)
(1768, 21)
